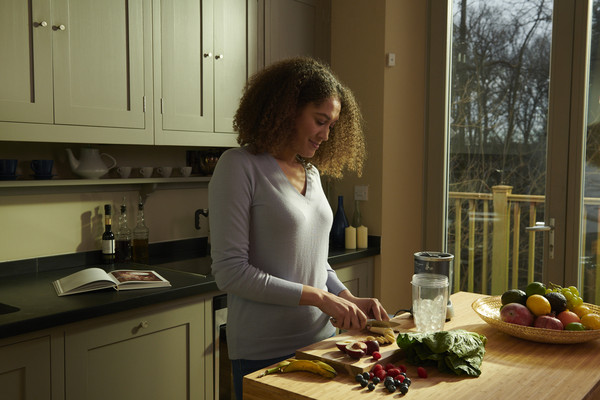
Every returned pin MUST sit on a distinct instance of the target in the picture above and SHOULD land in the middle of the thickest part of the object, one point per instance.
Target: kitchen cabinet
(357, 276)
(73, 67)
(26, 368)
(296, 28)
(155, 352)
(204, 51)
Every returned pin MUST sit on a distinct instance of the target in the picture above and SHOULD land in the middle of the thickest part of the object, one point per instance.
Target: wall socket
(361, 192)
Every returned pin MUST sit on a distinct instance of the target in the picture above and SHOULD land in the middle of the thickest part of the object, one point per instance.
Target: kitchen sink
(7, 309)
(198, 266)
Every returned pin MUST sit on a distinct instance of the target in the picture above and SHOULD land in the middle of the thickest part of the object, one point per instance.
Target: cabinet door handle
(43, 24)
(219, 56)
(60, 27)
(206, 55)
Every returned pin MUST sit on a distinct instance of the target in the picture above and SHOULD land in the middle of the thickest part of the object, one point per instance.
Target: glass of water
(430, 298)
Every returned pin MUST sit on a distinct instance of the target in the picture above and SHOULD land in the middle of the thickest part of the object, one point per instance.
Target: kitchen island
(512, 368)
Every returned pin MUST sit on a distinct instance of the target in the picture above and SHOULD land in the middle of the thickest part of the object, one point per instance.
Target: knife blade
(382, 324)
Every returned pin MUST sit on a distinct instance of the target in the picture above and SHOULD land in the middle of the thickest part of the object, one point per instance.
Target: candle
(350, 233)
(362, 234)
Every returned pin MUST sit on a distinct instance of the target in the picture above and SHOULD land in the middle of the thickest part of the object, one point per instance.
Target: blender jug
(434, 262)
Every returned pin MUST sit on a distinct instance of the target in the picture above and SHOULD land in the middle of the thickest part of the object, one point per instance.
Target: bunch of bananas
(387, 335)
(293, 365)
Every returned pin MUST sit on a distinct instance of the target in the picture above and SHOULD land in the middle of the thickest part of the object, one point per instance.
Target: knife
(382, 324)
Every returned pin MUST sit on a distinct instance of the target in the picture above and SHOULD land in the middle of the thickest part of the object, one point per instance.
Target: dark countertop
(39, 307)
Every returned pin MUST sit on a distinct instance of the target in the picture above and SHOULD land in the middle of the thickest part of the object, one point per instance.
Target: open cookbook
(91, 279)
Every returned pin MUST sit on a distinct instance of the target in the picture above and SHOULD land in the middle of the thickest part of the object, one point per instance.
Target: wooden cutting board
(327, 351)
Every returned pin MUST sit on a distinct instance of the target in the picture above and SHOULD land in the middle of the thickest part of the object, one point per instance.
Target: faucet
(203, 212)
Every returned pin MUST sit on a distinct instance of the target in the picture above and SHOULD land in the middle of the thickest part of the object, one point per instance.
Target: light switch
(361, 193)
(391, 59)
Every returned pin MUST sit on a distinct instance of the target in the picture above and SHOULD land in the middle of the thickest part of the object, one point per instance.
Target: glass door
(504, 183)
(589, 276)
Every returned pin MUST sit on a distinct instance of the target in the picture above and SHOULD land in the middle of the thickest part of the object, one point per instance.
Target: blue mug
(42, 167)
(8, 167)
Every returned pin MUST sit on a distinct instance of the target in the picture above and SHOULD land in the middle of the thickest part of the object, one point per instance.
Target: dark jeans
(242, 367)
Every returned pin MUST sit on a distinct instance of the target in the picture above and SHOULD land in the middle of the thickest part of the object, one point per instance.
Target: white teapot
(90, 164)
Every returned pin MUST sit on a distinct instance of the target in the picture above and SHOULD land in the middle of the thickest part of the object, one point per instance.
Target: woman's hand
(345, 314)
(369, 306)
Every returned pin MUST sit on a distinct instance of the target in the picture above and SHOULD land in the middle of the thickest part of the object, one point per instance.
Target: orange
(591, 321)
(538, 305)
(581, 310)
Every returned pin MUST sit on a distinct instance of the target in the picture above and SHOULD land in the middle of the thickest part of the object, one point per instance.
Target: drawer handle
(143, 324)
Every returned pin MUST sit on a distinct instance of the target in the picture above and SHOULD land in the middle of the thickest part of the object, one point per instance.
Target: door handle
(542, 227)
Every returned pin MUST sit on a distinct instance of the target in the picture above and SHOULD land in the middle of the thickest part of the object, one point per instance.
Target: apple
(566, 317)
(341, 345)
(516, 313)
(356, 349)
(372, 345)
(548, 322)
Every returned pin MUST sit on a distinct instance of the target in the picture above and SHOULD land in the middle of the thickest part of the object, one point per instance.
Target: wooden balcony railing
(492, 250)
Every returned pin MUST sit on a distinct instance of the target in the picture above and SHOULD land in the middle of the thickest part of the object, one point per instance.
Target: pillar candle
(350, 237)
(362, 235)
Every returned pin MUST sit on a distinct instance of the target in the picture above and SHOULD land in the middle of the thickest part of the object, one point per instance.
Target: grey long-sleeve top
(267, 241)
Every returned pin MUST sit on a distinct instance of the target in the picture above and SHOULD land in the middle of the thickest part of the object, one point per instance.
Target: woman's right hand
(344, 314)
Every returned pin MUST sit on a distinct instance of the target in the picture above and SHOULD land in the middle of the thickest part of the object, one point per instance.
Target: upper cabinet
(204, 51)
(74, 63)
(297, 28)
(165, 72)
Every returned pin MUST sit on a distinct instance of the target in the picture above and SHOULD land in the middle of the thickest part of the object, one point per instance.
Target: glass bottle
(123, 238)
(356, 218)
(337, 237)
(140, 238)
(108, 238)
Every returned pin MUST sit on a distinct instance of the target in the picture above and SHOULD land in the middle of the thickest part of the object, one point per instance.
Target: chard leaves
(456, 351)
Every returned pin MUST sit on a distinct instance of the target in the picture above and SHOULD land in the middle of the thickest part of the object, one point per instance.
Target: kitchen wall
(39, 223)
(393, 104)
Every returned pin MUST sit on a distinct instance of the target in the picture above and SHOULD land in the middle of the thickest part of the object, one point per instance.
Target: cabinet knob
(43, 24)
(219, 56)
(143, 324)
(60, 27)
(206, 55)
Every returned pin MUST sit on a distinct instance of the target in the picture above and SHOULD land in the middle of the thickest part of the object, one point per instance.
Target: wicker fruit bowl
(488, 309)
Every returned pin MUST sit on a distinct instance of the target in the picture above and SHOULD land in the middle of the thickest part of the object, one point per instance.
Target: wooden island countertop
(512, 368)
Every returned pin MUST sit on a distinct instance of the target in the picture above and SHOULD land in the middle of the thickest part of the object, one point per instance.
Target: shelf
(146, 185)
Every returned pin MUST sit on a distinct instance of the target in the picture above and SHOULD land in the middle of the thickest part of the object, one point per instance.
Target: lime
(558, 301)
(575, 326)
(535, 288)
(538, 305)
(514, 296)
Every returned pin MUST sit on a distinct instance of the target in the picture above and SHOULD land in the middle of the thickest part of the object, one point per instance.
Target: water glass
(430, 298)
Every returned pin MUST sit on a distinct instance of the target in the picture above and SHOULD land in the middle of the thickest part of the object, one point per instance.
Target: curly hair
(274, 97)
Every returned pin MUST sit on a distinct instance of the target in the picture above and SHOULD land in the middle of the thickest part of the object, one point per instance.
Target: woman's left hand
(370, 306)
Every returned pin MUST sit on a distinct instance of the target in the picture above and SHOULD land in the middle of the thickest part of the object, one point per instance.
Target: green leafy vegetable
(455, 351)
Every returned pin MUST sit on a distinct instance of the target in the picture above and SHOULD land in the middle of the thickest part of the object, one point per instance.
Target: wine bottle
(140, 238)
(338, 229)
(123, 238)
(108, 238)
(356, 218)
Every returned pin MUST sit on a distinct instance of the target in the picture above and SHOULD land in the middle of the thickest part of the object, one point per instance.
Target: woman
(270, 219)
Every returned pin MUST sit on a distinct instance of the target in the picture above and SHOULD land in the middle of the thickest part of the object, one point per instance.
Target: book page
(146, 278)
(84, 280)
